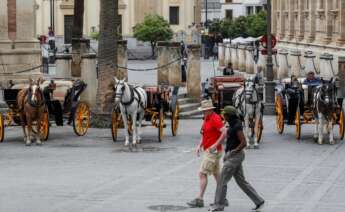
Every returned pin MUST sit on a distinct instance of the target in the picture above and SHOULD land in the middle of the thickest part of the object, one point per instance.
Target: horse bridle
(35, 104)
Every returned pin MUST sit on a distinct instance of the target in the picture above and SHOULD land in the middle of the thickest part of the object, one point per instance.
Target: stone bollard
(193, 72)
(163, 58)
(234, 56)
(175, 76)
(242, 58)
(284, 66)
(227, 54)
(221, 54)
(63, 65)
(122, 60)
(295, 58)
(249, 60)
(89, 76)
(326, 66)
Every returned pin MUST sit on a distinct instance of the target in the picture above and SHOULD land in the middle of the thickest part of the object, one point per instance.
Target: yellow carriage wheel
(279, 114)
(161, 125)
(258, 129)
(115, 121)
(81, 120)
(44, 126)
(298, 123)
(175, 116)
(2, 128)
(341, 124)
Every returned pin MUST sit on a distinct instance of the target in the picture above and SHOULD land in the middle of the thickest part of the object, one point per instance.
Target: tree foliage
(244, 26)
(153, 29)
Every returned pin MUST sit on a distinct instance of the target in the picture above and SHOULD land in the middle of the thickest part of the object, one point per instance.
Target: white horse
(324, 106)
(132, 102)
(250, 107)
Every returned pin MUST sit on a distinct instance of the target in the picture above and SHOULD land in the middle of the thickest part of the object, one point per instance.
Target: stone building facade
(19, 48)
(180, 13)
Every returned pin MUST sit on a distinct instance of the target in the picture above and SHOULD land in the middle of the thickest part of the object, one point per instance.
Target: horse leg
(38, 126)
(141, 117)
(22, 119)
(125, 124)
(256, 123)
(330, 132)
(247, 130)
(320, 139)
(316, 129)
(29, 124)
(134, 126)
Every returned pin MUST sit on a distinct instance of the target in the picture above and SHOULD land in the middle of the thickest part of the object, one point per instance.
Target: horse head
(327, 92)
(249, 90)
(35, 92)
(119, 88)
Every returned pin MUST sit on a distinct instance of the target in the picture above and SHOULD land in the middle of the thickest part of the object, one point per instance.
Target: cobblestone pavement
(92, 173)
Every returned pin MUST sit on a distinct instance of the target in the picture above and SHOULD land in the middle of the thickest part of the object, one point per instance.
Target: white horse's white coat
(136, 110)
(249, 105)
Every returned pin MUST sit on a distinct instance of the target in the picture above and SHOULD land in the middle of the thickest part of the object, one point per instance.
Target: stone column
(193, 73)
(234, 56)
(163, 58)
(312, 21)
(122, 60)
(301, 18)
(3, 21)
(227, 53)
(26, 22)
(291, 20)
(325, 66)
(63, 66)
(282, 19)
(221, 53)
(329, 22)
(341, 39)
(242, 58)
(283, 70)
(249, 67)
(295, 62)
(175, 77)
(89, 76)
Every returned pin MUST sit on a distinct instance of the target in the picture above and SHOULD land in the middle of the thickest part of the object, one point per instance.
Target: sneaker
(216, 208)
(259, 206)
(196, 203)
(226, 203)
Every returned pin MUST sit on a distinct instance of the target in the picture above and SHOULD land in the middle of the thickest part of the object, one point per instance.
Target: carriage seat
(62, 87)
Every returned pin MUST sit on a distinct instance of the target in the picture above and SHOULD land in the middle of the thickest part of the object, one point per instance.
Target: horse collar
(131, 97)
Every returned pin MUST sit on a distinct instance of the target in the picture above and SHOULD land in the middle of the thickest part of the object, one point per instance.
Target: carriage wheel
(115, 121)
(341, 124)
(44, 126)
(2, 128)
(258, 129)
(161, 125)
(279, 114)
(81, 120)
(175, 120)
(298, 123)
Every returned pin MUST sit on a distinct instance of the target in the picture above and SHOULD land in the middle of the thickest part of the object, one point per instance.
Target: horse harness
(133, 90)
(29, 94)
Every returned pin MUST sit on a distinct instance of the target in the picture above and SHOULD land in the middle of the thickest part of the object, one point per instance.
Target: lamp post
(269, 84)
(206, 14)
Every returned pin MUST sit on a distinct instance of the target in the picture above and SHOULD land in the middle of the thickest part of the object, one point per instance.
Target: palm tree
(77, 35)
(107, 53)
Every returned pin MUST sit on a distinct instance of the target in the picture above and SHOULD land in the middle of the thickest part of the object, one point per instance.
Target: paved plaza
(92, 173)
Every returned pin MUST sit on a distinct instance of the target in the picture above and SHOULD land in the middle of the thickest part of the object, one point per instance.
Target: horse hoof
(256, 147)
(126, 144)
(28, 144)
(331, 142)
(319, 142)
(315, 139)
(38, 143)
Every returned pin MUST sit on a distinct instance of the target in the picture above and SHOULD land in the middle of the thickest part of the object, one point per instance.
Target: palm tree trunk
(107, 54)
(77, 34)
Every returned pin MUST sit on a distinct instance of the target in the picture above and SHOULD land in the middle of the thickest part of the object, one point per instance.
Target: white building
(213, 12)
(234, 8)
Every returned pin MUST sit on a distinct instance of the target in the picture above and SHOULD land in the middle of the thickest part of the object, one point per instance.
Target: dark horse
(31, 109)
(325, 104)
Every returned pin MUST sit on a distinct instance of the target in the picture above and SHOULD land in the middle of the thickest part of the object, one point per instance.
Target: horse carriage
(298, 103)
(64, 104)
(156, 103)
(246, 96)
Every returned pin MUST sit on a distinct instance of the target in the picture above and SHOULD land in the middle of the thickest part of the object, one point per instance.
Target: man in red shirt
(212, 131)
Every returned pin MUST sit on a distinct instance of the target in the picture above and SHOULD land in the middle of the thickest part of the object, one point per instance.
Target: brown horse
(31, 107)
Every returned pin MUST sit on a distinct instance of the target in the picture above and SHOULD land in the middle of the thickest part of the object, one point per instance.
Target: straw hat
(206, 105)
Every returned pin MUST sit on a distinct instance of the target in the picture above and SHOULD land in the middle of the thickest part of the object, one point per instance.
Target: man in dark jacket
(234, 156)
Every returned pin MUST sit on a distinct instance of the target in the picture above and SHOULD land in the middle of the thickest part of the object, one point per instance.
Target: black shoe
(226, 203)
(216, 208)
(259, 206)
(196, 203)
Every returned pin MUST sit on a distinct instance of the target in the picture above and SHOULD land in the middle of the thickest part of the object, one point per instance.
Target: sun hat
(229, 111)
(206, 105)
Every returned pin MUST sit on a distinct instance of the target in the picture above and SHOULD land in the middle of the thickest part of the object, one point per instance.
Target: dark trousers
(233, 168)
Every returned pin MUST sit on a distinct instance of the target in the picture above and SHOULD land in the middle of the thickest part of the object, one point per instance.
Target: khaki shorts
(210, 163)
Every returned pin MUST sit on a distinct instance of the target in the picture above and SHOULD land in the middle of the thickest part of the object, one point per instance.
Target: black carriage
(65, 105)
(294, 106)
(162, 102)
